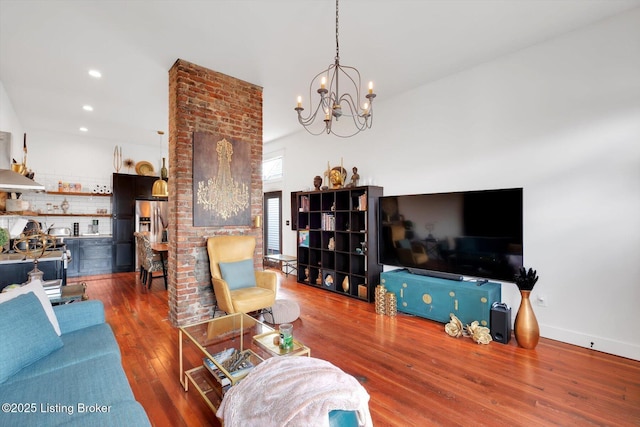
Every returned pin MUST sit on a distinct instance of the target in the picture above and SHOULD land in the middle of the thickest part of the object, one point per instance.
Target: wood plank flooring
(415, 373)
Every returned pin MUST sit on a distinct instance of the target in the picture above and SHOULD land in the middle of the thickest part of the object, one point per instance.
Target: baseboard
(603, 344)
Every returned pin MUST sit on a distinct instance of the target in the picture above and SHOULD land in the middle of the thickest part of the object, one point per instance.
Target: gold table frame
(238, 331)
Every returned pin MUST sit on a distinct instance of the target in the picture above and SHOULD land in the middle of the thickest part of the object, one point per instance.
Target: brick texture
(202, 100)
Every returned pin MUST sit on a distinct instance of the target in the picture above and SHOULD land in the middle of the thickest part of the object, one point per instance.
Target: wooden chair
(232, 250)
(149, 261)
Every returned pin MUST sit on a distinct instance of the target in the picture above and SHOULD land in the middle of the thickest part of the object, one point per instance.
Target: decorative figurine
(337, 175)
(332, 244)
(319, 279)
(317, 182)
(354, 178)
(345, 284)
(328, 281)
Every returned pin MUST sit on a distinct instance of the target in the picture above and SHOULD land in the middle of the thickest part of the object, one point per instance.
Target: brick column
(202, 100)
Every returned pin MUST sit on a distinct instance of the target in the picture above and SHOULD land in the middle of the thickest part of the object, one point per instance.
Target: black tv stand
(439, 274)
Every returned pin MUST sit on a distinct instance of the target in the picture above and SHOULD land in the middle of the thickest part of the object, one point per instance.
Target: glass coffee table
(231, 346)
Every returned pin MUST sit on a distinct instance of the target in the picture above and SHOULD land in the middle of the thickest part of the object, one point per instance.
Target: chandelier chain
(337, 34)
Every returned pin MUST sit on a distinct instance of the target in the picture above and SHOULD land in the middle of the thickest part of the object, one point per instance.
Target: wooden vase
(345, 284)
(526, 329)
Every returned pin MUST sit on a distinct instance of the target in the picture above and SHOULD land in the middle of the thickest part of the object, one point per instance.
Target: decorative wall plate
(144, 168)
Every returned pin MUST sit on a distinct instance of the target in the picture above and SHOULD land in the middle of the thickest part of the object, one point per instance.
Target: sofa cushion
(238, 274)
(79, 346)
(79, 315)
(34, 286)
(27, 335)
(128, 413)
(98, 383)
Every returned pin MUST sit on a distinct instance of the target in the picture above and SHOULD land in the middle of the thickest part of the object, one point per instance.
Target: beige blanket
(293, 391)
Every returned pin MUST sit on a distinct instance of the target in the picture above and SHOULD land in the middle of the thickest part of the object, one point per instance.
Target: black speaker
(500, 322)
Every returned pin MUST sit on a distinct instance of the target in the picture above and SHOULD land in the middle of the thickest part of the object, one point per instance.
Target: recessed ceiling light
(84, 129)
(95, 73)
(87, 108)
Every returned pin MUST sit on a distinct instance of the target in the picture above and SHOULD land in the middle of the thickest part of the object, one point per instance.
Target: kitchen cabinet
(89, 256)
(126, 189)
(73, 246)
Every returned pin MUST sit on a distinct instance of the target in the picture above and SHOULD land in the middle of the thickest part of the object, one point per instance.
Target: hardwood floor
(415, 373)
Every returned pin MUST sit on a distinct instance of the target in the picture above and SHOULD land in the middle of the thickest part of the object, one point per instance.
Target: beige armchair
(231, 264)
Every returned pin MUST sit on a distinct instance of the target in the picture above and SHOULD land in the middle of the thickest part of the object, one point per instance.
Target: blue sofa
(80, 383)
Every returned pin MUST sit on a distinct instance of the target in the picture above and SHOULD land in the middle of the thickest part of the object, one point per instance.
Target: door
(122, 225)
(272, 225)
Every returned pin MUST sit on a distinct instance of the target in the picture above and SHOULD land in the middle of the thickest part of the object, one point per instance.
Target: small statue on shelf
(354, 178)
(337, 175)
(319, 279)
(332, 244)
(317, 182)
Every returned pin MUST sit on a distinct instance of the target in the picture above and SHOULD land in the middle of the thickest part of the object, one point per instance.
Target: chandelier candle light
(333, 104)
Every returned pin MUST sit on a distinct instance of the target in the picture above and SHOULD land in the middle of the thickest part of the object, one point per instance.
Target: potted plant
(4, 239)
(526, 329)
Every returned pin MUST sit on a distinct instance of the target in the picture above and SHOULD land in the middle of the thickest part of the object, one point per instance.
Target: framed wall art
(221, 181)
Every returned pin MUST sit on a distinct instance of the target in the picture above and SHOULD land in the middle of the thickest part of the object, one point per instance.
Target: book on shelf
(362, 202)
(304, 204)
(328, 222)
(303, 238)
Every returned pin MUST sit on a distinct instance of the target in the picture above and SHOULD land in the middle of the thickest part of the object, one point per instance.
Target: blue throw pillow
(238, 274)
(27, 335)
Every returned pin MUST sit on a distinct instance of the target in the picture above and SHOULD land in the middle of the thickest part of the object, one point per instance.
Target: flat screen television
(451, 235)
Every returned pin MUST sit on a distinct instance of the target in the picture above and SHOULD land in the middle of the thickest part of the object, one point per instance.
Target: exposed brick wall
(202, 100)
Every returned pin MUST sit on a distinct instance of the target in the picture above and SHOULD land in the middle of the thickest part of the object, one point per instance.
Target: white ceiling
(47, 47)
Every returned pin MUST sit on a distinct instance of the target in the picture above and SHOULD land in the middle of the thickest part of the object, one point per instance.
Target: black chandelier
(333, 104)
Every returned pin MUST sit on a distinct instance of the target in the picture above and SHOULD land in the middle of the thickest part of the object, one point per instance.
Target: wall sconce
(257, 221)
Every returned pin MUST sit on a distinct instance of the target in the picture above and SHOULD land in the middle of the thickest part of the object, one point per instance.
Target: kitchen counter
(89, 236)
(20, 258)
(15, 268)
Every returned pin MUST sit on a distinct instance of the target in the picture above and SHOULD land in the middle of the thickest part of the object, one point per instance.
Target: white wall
(560, 119)
(9, 122)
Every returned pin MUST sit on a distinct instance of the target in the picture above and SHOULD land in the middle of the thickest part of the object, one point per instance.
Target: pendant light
(160, 188)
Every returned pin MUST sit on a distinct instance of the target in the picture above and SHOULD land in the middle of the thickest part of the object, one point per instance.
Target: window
(272, 169)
